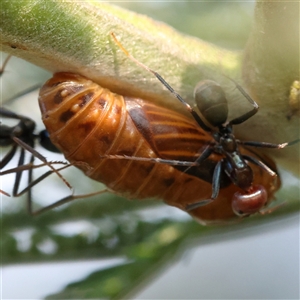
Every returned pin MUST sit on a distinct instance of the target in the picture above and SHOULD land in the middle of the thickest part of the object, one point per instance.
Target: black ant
(21, 136)
(211, 101)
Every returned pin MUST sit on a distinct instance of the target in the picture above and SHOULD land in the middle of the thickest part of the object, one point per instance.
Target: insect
(21, 136)
(141, 150)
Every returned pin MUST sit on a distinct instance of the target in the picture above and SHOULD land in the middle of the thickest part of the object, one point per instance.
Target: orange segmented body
(90, 124)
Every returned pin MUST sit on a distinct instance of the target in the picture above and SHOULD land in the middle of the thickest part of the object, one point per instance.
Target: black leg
(215, 188)
(249, 114)
(268, 145)
(260, 164)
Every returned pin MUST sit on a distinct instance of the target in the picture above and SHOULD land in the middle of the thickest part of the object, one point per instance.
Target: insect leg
(249, 114)
(66, 200)
(204, 155)
(4, 193)
(7, 113)
(189, 164)
(42, 158)
(268, 145)
(154, 160)
(39, 179)
(260, 164)
(31, 166)
(31, 183)
(29, 180)
(216, 180)
(19, 173)
(215, 188)
(164, 82)
(7, 158)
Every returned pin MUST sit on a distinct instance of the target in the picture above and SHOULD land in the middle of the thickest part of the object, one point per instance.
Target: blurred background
(110, 247)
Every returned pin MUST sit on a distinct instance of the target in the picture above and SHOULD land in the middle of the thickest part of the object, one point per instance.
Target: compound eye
(244, 204)
(211, 102)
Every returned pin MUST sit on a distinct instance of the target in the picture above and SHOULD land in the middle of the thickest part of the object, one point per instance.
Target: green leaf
(75, 37)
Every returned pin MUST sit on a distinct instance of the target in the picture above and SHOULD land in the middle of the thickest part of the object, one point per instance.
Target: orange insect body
(88, 123)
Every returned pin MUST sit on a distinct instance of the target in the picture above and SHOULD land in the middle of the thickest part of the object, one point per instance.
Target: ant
(21, 136)
(212, 103)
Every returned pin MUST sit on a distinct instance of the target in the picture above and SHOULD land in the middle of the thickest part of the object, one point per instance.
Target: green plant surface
(76, 38)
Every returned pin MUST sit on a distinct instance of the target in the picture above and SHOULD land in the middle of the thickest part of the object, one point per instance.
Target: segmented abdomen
(87, 122)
